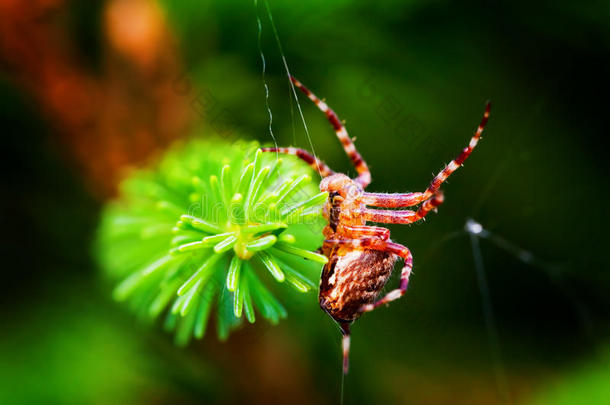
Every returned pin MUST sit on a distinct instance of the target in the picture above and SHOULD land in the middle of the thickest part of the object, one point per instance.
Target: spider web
(293, 98)
(259, 27)
(293, 92)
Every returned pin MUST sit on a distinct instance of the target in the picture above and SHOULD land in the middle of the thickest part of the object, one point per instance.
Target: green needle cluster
(213, 227)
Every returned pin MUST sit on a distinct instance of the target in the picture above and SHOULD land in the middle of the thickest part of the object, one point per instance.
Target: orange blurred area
(109, 119)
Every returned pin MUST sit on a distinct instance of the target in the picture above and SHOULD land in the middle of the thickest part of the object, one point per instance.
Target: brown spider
(361, 257)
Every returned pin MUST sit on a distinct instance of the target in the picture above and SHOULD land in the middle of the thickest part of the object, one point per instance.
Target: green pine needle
(214, 226)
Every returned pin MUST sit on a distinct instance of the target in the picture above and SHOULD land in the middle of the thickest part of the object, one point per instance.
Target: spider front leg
(458, 161)
(411, 199)
(387, 200)
(302, 154)
(364, 174)
(384, 246)
(402, 216)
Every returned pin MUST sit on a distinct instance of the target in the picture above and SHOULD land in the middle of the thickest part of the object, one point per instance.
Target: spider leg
(457, 162)
(402, 216)
(392, 200)
(345, 331)
(410, 199)
(405, 273)
(364, 174)
(302, 154)
(385, 246)
(357, 231)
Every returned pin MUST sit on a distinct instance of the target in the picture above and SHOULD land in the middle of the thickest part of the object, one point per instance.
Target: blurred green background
(88, 89)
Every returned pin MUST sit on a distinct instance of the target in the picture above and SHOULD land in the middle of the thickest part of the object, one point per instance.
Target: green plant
(212, 225)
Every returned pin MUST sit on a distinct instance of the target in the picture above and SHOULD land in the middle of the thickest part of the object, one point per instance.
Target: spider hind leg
(345, 344)
(405, 273)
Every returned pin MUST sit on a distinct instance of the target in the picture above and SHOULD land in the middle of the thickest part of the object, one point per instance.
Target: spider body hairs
(360, 256)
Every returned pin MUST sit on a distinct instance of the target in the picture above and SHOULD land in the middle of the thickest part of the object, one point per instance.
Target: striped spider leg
(364, 174)
(411, 199)
(361, 256)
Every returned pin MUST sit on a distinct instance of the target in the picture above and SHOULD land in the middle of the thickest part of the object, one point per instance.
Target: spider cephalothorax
(361, 257)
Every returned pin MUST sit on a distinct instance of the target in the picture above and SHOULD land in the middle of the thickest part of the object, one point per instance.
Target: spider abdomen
(353, 279)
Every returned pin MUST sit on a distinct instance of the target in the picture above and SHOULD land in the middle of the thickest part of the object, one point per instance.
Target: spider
(362, 257)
